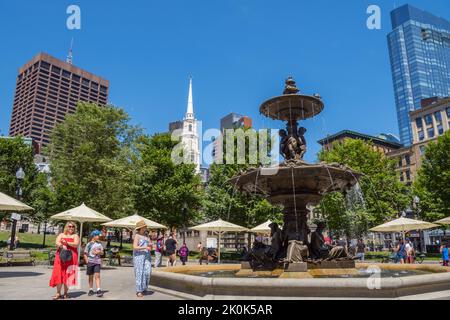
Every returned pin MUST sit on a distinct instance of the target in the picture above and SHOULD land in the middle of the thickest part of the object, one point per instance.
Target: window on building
(45, 65)
(440, 128)
(419, 123)
(422, 150)
(190, 128)
(438, 117)
(408, 160)
(421, 136)
(428, 119)
(76, 78)
(448, 112)
(56, 70)
(430, 132)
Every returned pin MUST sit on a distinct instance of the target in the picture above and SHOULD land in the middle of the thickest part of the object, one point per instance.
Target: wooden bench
(18, 256)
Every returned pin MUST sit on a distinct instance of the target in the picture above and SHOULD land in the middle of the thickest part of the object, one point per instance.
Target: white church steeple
(190, 137)
(190, 105)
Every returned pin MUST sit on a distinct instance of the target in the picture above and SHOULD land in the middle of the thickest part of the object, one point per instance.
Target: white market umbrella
(219, 227)
(443, 221)
(262, 228)
(8, 203)
(130, 223)
(81, 214)
(403, 225)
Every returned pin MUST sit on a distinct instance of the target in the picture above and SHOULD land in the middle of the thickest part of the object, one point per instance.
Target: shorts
(169, 253)
(92, 268)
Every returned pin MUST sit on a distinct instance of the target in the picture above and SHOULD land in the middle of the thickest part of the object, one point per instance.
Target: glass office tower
(419, 50)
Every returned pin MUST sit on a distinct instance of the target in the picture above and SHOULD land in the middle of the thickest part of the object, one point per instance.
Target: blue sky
(238, 51)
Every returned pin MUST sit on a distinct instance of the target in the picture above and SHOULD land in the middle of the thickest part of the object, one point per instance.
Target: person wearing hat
(141, 258)
(93, 258)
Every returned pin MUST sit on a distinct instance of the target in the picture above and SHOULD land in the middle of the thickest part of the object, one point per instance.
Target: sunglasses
(71, 227)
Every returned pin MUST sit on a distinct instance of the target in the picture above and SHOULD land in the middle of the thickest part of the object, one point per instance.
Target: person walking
(171, 248)
(401, 252)
(184, 253)
(141, 258)
(159, 250)
(93, 259)
(444, 252)
(65, 266)
(360, 250)
(409, 251)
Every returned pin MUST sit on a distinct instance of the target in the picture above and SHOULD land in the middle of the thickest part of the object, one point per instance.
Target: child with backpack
(183, 253)
(92, 256)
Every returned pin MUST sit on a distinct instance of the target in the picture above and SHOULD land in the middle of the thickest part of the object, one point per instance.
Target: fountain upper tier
(292, 106)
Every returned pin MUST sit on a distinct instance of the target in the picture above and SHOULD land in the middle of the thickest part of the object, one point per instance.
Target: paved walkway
(31, 283)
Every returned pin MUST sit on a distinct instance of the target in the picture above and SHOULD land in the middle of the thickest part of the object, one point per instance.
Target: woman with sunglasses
(65, 272)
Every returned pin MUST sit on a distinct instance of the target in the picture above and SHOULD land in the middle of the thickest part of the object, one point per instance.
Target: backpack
(183, 251)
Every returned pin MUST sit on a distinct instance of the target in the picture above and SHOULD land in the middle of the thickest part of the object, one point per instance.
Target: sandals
(140, 295)
(66, 296)
(57, 296)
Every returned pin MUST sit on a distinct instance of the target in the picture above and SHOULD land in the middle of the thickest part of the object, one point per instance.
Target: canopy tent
(130, 223)
(219, 227)
(262, 228)
(443, 221)
(403, 225)
(81, 214)
(8, 203)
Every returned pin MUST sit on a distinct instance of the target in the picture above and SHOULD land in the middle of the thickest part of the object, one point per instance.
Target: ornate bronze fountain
(296, 185)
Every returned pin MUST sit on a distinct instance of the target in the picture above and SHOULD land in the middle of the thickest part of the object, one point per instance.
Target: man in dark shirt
(360, 249)
(171, 248)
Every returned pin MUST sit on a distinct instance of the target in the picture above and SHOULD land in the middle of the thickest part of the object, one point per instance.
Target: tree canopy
(91, 154)
(433, 180)
(163, 188)
(384, 195)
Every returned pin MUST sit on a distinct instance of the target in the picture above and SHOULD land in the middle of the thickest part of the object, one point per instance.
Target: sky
(239, 52)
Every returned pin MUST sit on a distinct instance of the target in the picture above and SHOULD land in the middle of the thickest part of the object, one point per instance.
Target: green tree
(163, 187)
(92, 154)
(384, 195)
(433, 181)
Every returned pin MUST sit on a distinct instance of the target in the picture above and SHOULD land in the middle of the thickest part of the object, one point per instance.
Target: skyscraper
(419, 49)
(189, 132)
(46, 90)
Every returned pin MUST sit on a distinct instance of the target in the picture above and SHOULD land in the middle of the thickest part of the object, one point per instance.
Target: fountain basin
(301, 284)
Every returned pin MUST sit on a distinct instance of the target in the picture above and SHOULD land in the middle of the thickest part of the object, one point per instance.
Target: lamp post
(416, 202)
(20, 175)
(184, 221)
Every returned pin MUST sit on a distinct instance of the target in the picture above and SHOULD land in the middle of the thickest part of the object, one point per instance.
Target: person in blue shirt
(444, 252)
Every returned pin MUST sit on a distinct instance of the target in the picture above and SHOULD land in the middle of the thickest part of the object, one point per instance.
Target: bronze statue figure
(320, 250)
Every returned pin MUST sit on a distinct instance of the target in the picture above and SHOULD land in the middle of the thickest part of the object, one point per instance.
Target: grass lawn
(28, 241)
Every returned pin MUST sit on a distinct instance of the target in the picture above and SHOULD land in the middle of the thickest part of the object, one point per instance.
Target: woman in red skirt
(65, 273)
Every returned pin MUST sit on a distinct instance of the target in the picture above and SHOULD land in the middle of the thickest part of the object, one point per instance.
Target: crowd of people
(64, 274)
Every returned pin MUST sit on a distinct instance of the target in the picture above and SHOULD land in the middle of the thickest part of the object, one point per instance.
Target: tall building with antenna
(47, 89)
(189, 133)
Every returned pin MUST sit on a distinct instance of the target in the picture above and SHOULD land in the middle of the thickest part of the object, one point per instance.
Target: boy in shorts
(92, 256)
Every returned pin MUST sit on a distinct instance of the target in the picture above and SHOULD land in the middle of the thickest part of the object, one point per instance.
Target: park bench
(12, 257)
